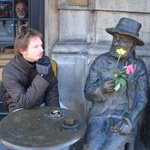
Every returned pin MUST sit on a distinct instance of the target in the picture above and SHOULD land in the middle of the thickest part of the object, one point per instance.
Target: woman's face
(122, 41)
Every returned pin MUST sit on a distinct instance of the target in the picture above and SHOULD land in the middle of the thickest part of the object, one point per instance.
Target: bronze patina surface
(41, 128)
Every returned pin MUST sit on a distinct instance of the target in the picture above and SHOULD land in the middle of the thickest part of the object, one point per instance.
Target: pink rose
(129, 69)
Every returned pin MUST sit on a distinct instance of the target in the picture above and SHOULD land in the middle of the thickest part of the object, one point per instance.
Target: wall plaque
(78, 2)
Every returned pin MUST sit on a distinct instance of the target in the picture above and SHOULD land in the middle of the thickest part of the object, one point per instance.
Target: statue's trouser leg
(99, 137)
(114, 141)
(95, 134)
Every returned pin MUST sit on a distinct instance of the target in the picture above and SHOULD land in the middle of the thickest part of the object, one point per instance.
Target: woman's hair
(22, 39)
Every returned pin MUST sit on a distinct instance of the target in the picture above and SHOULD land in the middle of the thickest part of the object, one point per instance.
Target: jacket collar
(25, 64)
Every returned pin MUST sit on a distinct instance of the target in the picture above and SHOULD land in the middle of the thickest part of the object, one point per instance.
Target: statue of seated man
(117, 86)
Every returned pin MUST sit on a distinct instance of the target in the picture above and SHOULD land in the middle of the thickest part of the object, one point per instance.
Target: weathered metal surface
(41, 128)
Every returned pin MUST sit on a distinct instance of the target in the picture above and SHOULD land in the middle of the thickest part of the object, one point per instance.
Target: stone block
(75, 25)
(71, 76)
(127, 6)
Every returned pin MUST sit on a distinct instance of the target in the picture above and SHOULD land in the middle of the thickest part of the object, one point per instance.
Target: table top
(41, 128)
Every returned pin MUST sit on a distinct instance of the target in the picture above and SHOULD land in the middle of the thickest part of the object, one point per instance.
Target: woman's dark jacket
(24, 88)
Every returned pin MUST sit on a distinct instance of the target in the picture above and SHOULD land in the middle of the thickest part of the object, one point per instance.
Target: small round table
(41, 128)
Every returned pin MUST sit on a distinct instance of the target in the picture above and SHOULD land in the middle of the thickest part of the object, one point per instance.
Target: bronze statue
(117, 86)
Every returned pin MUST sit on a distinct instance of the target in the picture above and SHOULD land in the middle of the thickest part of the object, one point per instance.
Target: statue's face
(122, 41)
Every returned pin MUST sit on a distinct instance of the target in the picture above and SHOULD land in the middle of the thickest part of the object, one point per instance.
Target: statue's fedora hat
(128, 27)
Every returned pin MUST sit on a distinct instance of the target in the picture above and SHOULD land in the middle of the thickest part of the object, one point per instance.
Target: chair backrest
(54, 67)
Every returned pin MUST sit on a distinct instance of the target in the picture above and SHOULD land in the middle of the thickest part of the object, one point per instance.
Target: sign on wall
(78, 2)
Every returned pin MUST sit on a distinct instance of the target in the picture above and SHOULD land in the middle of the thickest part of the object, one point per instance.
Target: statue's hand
(108, 86)
(124, 126)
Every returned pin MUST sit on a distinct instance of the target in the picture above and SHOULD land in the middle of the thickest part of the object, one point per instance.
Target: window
(14, 16)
